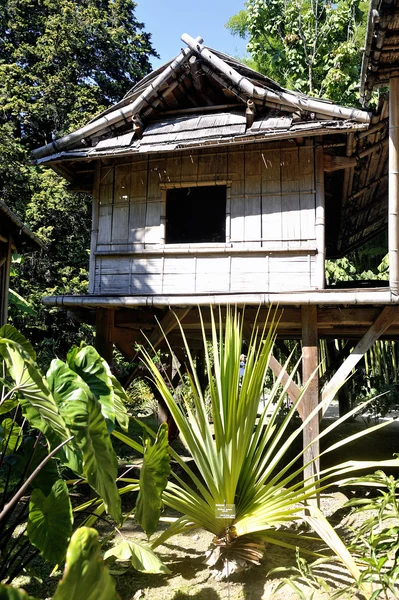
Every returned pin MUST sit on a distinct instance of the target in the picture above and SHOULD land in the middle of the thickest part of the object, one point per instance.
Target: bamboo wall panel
(252, 198)
(290, 206)
(272, 216)
(271, 191)
(105, 208)
(120, 217)
(203, 274)
(236, 172)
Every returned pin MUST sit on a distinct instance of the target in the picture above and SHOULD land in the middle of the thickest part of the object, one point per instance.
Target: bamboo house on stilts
(213, 185)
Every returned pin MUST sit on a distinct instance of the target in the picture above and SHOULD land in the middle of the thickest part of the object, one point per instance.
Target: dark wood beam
(310, 361)
(105, 332)
(386, 318)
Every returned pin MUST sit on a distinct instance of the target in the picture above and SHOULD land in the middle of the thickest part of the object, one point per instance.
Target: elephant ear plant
(64, 419)
(244, 488)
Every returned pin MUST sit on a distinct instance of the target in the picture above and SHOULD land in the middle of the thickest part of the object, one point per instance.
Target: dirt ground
(184, 554)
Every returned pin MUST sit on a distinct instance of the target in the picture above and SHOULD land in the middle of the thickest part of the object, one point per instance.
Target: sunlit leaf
(85, 576)
(141, 557)
(10, 436)
(154, 476)
(50, 521)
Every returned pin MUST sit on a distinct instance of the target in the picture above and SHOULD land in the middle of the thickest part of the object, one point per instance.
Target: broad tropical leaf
(90, 366)
(20, 303)
(10, 333)
(7, 592)
(100, 465)
(50, 521)
(154, 476)
(10, 436)
(37, 402)
(120, 400)
(85, 576)
(141, 557)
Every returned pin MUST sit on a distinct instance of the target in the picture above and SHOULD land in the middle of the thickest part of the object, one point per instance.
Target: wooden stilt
(105, 332)
(388, 316)
(293, 390)
(310, 361)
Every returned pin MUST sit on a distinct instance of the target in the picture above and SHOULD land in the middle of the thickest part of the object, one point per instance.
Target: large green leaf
(10, 333)
(8, 405)
(154, 476)
(7, 592)
(141, 557)
(93, 370)
(100, 465)
(37, 402)
(10, 436)
(20, 303)
(85, 576)
(50, 521)
(82, 413)
(120, 398)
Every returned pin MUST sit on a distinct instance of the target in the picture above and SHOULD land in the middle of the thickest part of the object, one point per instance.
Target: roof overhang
(22, 235)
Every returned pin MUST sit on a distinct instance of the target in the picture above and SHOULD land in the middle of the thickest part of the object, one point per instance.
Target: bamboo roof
(203, 98)
(381, 56)
(22, 235)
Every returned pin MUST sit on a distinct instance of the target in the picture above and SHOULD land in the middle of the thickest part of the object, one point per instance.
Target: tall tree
(313, 46)
(61, 62)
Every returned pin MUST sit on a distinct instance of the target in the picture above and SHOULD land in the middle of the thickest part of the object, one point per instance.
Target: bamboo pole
(283, 98)
(94, 225)
(393, 186)
(325, 297)
(320, 217)
(310, 360)
(118, 115)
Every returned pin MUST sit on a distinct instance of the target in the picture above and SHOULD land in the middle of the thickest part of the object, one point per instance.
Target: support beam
(162, 329)
(388, 316)
(310, 361)
(293, 390)
(104, 343)
(393, 186)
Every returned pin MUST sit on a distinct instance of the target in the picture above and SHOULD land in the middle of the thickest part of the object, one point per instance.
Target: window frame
(187, 184)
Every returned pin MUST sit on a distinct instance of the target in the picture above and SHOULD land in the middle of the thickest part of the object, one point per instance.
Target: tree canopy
(313, 46)
(61, 62)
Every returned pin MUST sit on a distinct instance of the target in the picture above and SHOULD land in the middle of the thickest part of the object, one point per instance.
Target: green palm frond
(242, 459)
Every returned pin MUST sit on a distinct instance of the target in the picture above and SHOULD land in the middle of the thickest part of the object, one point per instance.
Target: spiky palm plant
(241, 458)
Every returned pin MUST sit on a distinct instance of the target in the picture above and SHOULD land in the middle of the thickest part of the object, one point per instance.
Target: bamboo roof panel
(381, 56)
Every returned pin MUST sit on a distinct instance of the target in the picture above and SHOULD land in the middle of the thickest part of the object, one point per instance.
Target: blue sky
(166, 20)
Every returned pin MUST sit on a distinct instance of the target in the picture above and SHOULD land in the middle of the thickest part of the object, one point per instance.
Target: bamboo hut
(14, 237)
(213, 185)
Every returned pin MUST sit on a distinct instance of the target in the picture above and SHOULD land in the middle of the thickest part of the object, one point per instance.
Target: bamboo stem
(393, 186)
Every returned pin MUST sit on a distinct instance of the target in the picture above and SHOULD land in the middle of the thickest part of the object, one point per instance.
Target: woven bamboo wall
(270, 223)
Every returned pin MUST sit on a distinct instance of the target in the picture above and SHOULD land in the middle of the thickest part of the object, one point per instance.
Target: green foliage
(50, 521)
(154, 475)
(239, 463)
(85, 576)
(61, 62)
(141, 557)
(312, 47)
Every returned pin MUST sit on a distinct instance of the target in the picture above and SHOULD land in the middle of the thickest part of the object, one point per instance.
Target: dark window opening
(196, 214)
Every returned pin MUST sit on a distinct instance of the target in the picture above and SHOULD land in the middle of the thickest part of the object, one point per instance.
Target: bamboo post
(320, 217)
(5, 280)
(393, 185)
(310, 360)
(94, 226)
